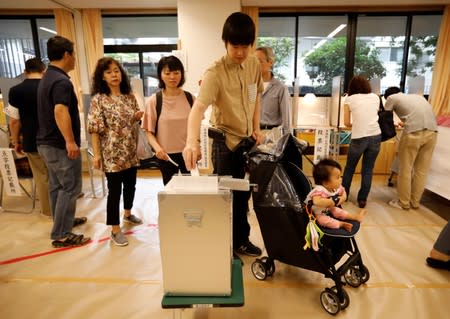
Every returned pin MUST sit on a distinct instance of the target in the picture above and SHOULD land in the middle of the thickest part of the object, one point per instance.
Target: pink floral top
(112, 118)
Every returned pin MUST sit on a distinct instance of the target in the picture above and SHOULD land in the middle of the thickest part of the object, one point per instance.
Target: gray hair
(268, 52)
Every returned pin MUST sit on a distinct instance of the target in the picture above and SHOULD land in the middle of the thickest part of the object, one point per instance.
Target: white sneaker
(395, 203)
(119, 239)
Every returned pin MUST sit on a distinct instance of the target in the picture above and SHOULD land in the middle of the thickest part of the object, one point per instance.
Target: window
(279, 34)
(321, 52)
(375, 33)
(422, 48)
(315, 48)
(138, 43)
(18, 43)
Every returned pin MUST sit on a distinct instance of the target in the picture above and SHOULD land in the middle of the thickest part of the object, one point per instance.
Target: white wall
(200, 25)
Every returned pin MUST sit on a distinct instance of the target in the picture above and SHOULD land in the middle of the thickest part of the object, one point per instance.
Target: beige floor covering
(100, 280)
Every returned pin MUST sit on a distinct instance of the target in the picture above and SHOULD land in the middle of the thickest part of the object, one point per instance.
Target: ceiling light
(48, 30)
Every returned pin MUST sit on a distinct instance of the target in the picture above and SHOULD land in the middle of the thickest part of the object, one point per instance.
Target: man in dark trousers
(232, 85)
(58, 140)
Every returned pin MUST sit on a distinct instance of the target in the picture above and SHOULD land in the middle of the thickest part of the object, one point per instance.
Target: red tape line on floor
(58, 250)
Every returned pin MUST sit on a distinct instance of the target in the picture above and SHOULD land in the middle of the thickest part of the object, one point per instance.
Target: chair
(89, 155)
(14, 172)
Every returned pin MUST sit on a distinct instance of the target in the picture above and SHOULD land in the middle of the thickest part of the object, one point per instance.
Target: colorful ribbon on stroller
(313, 234)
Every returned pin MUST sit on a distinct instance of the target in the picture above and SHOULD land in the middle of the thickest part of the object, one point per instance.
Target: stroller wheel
(365, 275)
(259, 270)
(345, 302)
(330, 301)
(353, 276)
(269, 265)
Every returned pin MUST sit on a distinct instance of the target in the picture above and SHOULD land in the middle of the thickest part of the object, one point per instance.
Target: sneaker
(249, 249)
(395, 203)
(119, 239)
(132, 220)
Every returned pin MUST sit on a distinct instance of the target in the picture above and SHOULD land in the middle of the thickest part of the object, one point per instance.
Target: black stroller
(278, 200)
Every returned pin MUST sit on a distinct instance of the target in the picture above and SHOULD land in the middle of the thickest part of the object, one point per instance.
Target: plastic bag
(143, 148)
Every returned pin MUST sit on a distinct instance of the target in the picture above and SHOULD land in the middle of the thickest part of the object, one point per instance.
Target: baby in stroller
(278, 202)
(328, 195)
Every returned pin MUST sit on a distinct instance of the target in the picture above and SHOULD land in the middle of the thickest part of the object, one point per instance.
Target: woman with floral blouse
(112, 120)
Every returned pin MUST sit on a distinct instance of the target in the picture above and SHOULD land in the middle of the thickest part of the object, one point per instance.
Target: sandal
(77, 221)
(71, 241)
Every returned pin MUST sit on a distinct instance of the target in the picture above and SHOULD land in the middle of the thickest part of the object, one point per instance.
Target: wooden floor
(101, 280)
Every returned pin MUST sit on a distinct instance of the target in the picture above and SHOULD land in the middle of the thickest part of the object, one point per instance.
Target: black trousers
(168, 169)
(115, 180)
(226, 162)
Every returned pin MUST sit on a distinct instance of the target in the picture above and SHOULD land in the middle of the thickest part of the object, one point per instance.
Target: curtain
(93, 37)
(253, 12)
(440, 88)
(65, 27)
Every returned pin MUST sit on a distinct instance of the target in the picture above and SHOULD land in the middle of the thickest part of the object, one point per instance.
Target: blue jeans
(367, 147)
(64, 184)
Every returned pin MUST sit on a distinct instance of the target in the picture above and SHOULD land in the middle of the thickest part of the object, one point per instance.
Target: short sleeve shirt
(232, 90)
(24, 98)
(364, 108)
(112, 118)
(172, 122)
(414, 111)
(56, 88)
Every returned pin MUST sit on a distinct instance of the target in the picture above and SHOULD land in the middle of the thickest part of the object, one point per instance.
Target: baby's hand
(336, 199)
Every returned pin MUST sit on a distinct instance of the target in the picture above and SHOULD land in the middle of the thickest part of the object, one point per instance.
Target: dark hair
(173, 64)
(391, 90)
(100, 86)
(239, 29)
(359, 84)
(322, 170)
(34, 65)
(57, 46)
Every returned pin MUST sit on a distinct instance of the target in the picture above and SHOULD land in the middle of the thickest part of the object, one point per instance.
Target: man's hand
(191, 154)
(73, 150)
(258, 136)
(18, 148)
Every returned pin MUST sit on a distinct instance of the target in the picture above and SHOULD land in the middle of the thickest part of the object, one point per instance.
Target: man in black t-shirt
(58, 140)
(22, 111)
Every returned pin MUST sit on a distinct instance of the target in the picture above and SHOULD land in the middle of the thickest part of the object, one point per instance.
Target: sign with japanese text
(9, 173)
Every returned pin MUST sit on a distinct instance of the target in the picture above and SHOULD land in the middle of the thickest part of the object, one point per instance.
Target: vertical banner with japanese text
(322, 143)
(9, 173)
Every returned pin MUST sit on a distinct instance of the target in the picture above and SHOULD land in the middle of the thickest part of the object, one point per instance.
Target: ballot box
(195, 230)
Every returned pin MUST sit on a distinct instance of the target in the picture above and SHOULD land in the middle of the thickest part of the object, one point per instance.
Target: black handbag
(386, 122)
